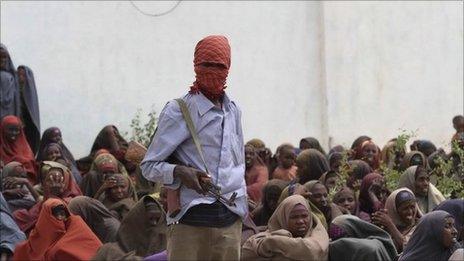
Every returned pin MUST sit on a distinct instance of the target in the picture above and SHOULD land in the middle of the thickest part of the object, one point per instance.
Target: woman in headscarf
(14, 146)
(293, 233)
(369, 152)
(413, 158)
(9, 91)
(417, 179)
(256, 174)
(30, 114)
(56, 183)
(53, 135)
(346, 198)
(110, 139)
(54, 152)
(16, 188)
(102, 222)
(355, 239)
(434, 238)
(320, 203)
(392, 155)
(373, 193)
(269, 202)
(142, 232)
(456, 208)
(104, 165)
(10, 234)
(329, 179)
(117, 194)
(58, 235)
(311, 143)
(335, 160)
(358, 170)
(400, 218)
(424, 146)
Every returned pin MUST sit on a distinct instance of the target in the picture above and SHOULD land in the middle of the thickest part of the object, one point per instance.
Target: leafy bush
(142, 133)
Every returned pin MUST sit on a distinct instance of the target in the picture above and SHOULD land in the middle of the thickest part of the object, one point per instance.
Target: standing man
(205, 228)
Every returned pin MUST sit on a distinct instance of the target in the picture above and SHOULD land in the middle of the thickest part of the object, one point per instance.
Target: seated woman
(56, 183)
(320, 204)
(346, 198)
(271, 194)
(417, 179)
(142, 232)
(329, 179)
(58, 235)
(355, 239)
(109, 139)
(256, 174)
(17, 189)
(102, 222)
(10, 233)
(369, 152)
(286, 169)
(14, 146)
(102, 167)
(400, 216)
(413, 158)
(53, 135)
(54, 152)
(456, 208)
(435, 238)
(311, 143)
(118, 195)
(373, 193)
(293, 233)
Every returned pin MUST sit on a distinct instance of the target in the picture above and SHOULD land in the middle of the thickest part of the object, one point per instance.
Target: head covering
(97, 216)
(393, 201)
(31, 109)
(211, 80)
(361, 241)
(10, 234)
(358, 170)
(365, 203)
(359, 153)
(137, 234)
(313, 144)
(47, 137)
(314, 165)
(9, 92)
(278, 243)
(337, 148)
(19, 150)
(424, 146)
(434, 196)
(358, 141)
(26, 219)
(406, 163)
(347, 190)
(456, 208)
(426, 242)
(53, 239)
(110, 139)
(256, 143)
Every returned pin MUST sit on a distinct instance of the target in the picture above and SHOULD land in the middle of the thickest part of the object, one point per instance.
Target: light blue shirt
(221, 138)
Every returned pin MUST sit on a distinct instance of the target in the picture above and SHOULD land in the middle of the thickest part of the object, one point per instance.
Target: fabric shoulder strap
(188, 120)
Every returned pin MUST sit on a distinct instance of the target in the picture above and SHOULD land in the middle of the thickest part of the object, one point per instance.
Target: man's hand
(14, 193)
(12, 182)
(190, 177)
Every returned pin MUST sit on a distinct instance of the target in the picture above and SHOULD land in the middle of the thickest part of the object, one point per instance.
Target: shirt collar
(204, 104)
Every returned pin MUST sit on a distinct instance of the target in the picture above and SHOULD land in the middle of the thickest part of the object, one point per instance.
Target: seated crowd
(304, 203)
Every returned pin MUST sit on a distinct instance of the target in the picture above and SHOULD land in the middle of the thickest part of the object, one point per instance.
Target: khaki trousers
(204, 243)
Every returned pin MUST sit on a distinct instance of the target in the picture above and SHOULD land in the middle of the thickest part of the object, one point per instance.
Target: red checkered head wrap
(211, 80)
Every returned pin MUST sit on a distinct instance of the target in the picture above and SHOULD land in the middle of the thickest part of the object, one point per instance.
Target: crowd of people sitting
(301, 206)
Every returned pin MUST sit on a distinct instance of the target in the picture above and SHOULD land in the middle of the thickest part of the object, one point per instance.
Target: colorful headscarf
(19, 150)
(211, 80)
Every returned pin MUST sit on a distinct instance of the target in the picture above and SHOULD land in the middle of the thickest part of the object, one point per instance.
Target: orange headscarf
(53, 239)
(26, 219)
(19, 150)
(211, 81)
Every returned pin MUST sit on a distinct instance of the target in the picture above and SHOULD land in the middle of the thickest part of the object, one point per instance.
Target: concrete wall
(298, 68)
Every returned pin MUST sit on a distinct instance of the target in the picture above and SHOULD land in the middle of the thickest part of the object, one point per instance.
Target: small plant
(142, 133)
(450, 173)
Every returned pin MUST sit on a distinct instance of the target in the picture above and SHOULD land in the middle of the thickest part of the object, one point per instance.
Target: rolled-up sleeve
(169, 135)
